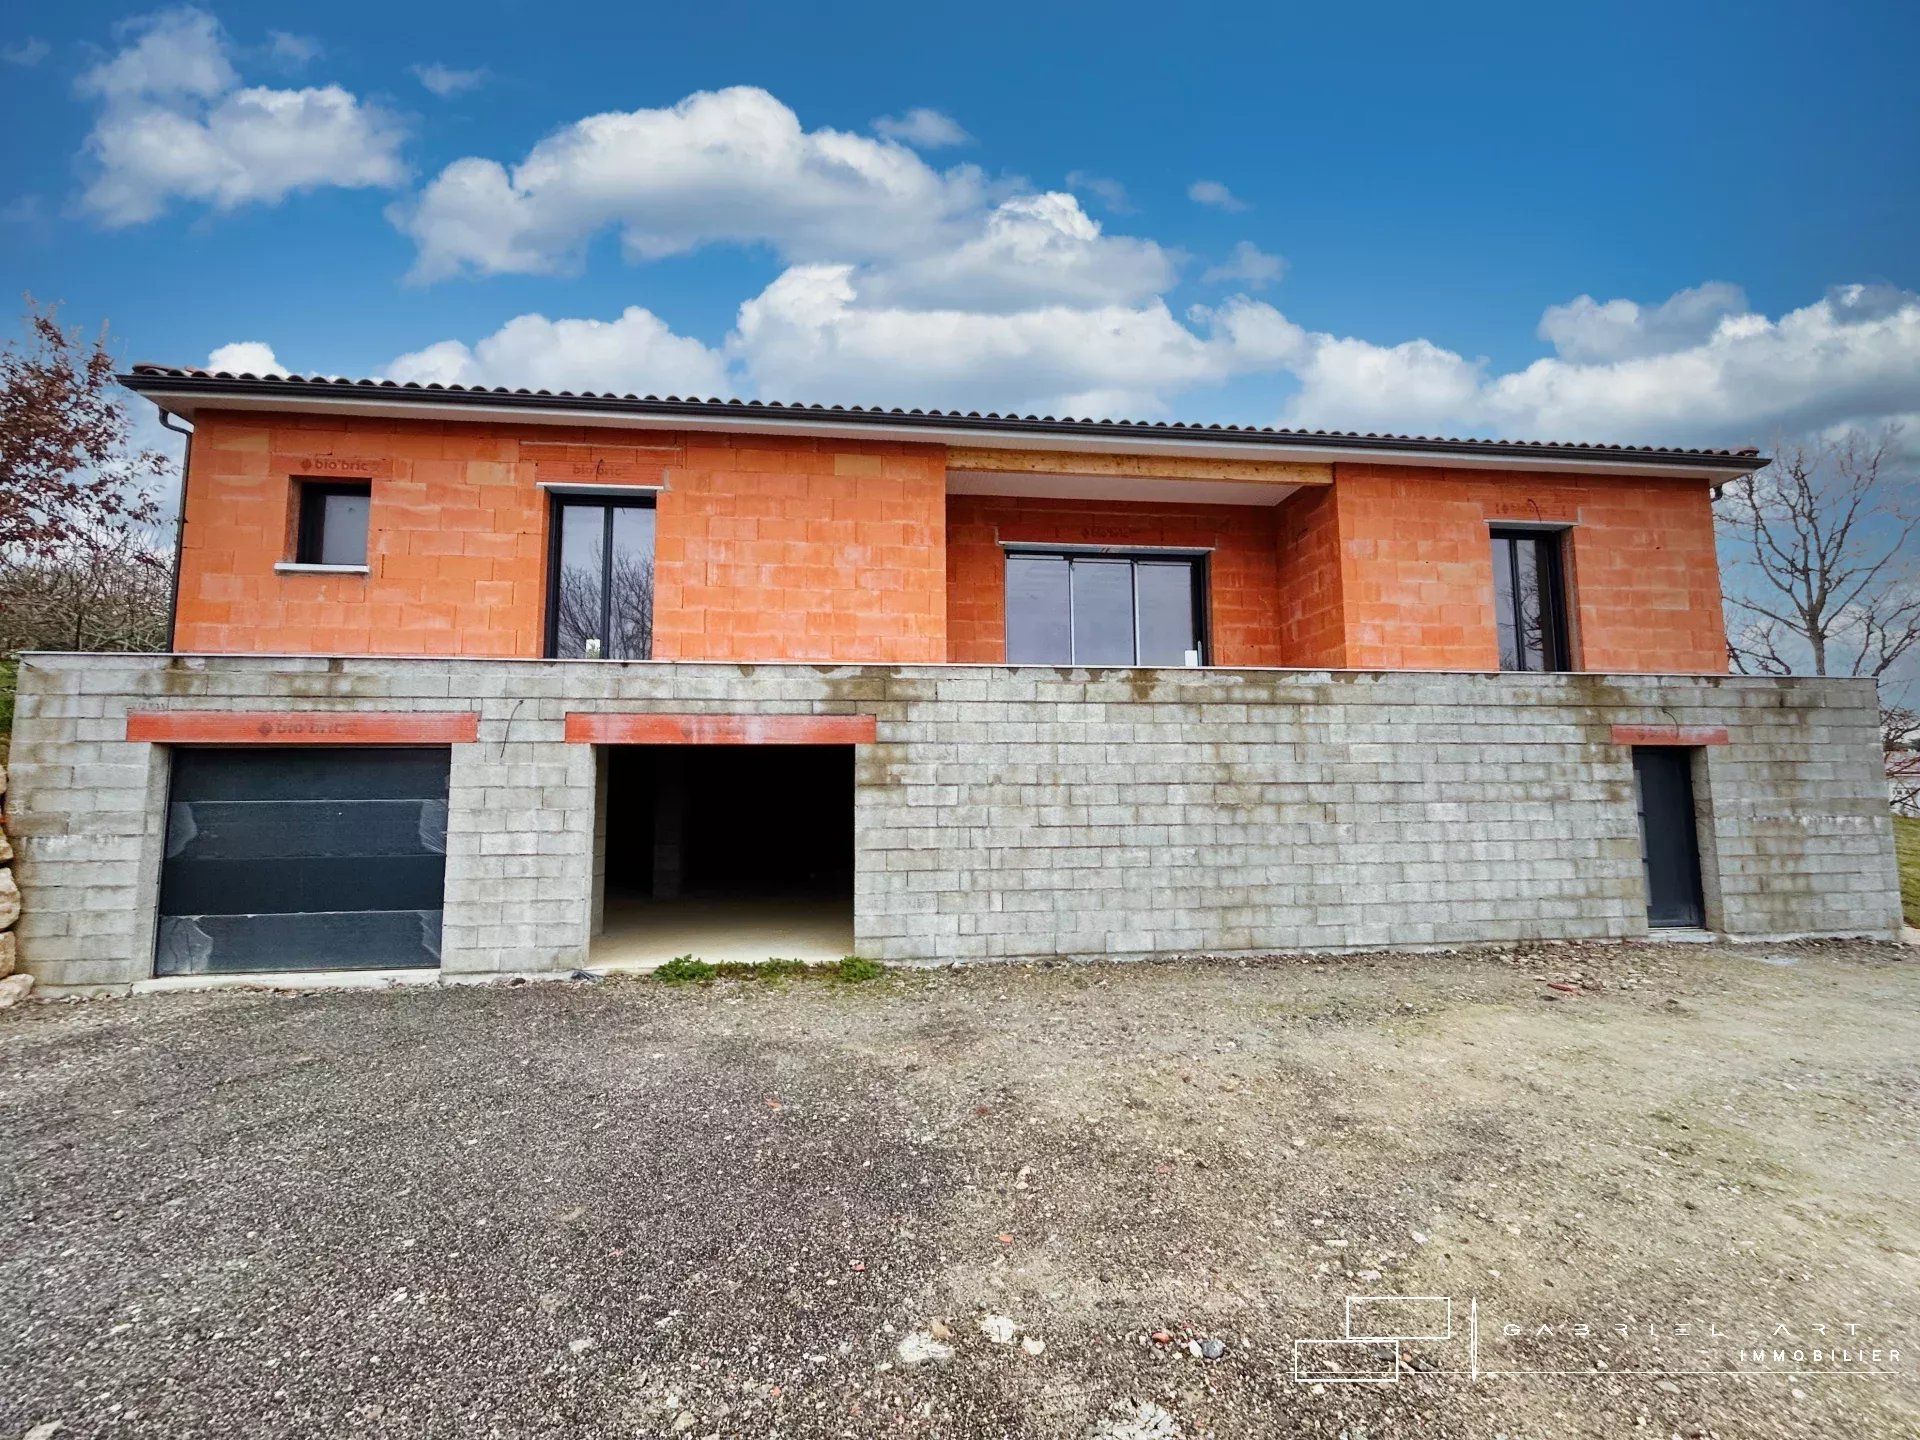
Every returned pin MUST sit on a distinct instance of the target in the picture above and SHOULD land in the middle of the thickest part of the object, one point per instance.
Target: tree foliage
(67, 472)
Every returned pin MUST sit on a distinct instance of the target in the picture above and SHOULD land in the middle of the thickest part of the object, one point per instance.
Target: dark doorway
(303, 859)
(1669, 836)
(726, 852)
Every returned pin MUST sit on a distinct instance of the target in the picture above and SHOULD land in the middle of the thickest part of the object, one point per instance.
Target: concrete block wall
(1008, 812)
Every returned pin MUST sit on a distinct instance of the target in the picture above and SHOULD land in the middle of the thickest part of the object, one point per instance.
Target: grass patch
(9, 678)
(1906, 847)
(684, 970)
(854, 969)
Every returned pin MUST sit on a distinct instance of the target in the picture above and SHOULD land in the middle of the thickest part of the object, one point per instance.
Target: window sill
(289, 567)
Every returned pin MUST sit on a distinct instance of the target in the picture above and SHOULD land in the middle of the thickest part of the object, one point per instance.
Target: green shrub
(682, 969)
(854, 969)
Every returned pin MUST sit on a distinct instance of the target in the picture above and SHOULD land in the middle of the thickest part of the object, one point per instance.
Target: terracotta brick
(1415, 567)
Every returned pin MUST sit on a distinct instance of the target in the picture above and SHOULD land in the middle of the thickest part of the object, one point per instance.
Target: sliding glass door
(1105, 609)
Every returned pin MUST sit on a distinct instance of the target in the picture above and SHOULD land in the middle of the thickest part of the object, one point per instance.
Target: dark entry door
(1669, 838)
(303, 859)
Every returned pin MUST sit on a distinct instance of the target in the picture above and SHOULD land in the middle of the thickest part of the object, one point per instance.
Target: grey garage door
(303, 859)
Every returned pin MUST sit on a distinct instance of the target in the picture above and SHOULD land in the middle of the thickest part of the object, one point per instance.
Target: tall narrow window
(600, 604)
(332, 528)
(1529, 600)
(1105, 609)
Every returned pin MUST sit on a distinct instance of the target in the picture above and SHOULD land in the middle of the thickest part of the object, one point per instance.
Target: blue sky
(1381, 216)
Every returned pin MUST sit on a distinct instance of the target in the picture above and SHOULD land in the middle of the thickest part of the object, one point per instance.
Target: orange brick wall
(796, 549)
(1416, 570)
(791, 550)
(1243, 573)
(1312, 617)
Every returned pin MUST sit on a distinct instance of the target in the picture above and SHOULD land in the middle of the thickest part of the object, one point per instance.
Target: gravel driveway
(627, 1209)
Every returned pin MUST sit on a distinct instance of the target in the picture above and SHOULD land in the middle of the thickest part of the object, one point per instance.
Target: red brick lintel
(304, 727)
(585, 727)
(1670, 735)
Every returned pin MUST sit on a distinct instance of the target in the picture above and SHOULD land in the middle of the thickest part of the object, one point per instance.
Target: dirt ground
(1674, 1196)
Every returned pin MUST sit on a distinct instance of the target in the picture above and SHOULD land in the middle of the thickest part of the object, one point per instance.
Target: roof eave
(183, 395)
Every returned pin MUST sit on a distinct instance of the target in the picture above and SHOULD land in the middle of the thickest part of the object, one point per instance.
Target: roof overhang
(187, 395)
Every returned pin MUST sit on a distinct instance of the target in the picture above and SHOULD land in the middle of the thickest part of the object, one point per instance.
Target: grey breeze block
(1031, 811)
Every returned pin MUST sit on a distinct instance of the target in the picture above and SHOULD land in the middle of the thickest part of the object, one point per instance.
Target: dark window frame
(310, 518)
(1198, 561)
(558, 501)
(1556, 633)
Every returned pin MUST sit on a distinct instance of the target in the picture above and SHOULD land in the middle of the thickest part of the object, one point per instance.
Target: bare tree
(1900, 730)
(66, 469)
(1821, 579)
(104, 592)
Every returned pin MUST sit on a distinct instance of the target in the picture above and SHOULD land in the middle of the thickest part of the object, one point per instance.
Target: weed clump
(682, 970)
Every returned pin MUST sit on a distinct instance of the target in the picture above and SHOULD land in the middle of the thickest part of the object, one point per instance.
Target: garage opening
(303, 858)
(725, 852)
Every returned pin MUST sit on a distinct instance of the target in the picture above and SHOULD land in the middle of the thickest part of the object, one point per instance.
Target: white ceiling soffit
(1116, 487)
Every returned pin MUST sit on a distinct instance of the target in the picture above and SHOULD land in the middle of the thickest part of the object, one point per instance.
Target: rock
(9, 899)
(46, 1429)
(580, 1347)
(9, 954)
(586, 975)
(1162, 1337)
(1137, 1420)
(1212, 1349)
(939, 1329)
(1034, 1345)
(14, 989)
(921, 1348)
(6, 848)
(999, 1328)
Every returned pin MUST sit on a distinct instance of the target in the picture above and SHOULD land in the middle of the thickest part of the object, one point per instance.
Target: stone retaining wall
(1009, 812)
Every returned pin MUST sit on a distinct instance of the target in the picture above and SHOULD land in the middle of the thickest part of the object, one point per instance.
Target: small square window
(333, 522)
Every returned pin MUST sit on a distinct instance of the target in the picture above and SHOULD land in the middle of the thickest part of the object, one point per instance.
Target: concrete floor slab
(640, 934)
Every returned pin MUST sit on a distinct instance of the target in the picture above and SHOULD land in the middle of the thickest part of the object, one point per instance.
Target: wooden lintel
(1137, 467)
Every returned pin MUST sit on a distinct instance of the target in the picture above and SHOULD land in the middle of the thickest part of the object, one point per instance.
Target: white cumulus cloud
(1213, 193)
(1108, 191)
(1585, 329)
(1670, 373)
(246, 357)
(25, 53)
(636, 353)
(815, 334)
(446, 81)
(1247, 265)
(174, 124)
(720, 166)
(923, 129)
